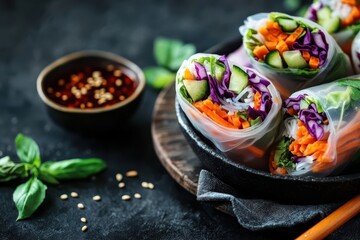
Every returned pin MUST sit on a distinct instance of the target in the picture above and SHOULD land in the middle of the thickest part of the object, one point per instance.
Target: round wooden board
(170, 145)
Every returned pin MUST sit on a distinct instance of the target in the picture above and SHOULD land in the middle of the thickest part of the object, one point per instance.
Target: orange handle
(333, 221)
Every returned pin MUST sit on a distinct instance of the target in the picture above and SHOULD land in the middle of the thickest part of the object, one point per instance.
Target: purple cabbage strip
(214, 85)
(200, 71)
(226, 78)
(294, 102)
(314, 43)
(217, 90)
(312, 12)
(260, 85)
(253, 114)
(313, 121)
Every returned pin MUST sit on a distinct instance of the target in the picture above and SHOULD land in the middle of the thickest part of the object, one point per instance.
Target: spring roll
(320, 133)
(340, 18)
(237, 109)
(293, 52)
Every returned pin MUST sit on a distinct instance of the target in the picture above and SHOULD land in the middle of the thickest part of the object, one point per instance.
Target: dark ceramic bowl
(260, 184)
(95, 120)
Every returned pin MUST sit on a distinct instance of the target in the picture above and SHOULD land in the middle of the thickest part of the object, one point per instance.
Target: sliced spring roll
(293, 52)
(236, 109)
(320, 133)
(340, 18)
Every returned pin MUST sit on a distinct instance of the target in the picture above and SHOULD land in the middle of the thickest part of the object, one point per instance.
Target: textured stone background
(33, 34)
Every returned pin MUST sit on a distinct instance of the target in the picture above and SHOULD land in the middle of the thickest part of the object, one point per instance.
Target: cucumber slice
(324, 13)
(294, 59)
(304, 104)
(273, 58)
(331, 25)
(219, 71)
(197, 89)
(238, 80)
(287, 25)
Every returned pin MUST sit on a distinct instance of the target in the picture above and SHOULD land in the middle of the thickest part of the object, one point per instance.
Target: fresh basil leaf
(28, 197)
(158, 77)
(179, 54)
(355, 87)
(27, 150)
(73, 168)
(282, 155)
(170, 53)
(10, 170)
(46, 177)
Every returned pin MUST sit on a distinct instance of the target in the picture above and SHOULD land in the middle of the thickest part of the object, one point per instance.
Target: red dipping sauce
(91, 87)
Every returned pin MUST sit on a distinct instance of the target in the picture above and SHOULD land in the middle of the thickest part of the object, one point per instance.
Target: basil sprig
(169, 55)
(29, 195)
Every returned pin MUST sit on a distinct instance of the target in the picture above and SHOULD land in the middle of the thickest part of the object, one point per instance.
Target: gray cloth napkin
(257, 214)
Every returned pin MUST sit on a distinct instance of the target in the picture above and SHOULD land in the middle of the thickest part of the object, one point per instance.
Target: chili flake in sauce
(92, 87)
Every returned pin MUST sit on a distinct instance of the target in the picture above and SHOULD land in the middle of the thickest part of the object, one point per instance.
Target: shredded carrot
(291, 111)
(271, 45)
(306, 55)
(188, 75)
(257, 100)
(263, 31)
(352, 17)
(260, 51)
(314, 62)
(282, 46)
(212, 114)
(306, 145)
(294, 35)
(349, 2)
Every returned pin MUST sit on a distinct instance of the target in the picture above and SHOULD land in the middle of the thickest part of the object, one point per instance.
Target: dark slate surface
(34, 33)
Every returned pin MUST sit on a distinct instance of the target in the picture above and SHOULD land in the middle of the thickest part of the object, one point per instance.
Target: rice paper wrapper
(249, 146)
(344, 35)
(289, 80)
(340, 101)
(355, 53)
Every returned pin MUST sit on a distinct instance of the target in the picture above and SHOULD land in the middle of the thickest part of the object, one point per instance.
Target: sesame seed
(121, 185)
(125, 197)
(84, 228)
(83, 220)
(80, 206)
(151, 186)
(64, 97)
(137, 195)
(63, 196)
(118, 82)
(132, 173)
(121, 97)
(145, 184)
(96, 198)
(57, 94)
(117, 73)
(119, 177)
(96, 74)
(74, 194)
(83, 91)
(82, 106)
(89, 104)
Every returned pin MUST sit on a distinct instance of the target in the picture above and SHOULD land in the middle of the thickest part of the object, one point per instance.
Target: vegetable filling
(305, 136)
(230, 96)
(283, 42)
